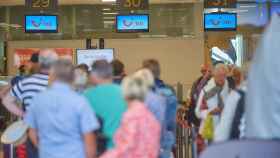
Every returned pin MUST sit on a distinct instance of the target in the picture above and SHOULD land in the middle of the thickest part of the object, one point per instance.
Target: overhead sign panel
(220, 3)
(41, 4)
(133, 4)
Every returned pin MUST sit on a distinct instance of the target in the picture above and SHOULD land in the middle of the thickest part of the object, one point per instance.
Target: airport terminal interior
(185, 78)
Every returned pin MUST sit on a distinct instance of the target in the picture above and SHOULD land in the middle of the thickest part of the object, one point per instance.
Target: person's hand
(4, 91)
(216, 111)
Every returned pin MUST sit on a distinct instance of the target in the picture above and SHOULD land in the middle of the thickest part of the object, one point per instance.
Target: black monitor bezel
(76, 53)
(134, 30)
(41, 31)
(220, 29)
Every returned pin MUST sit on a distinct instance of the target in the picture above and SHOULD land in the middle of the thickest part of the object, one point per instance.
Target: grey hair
(220, 67)
(147, 76)
(102, 69)
(47, 57)
(63, 70)
(135, 88)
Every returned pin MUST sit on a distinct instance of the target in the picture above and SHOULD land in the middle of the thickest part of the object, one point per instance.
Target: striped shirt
(25, 90)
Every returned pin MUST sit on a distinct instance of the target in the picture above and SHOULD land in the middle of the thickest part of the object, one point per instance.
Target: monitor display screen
(132, 23)
(220, 21)
(253, 14)
(275, 8)
(41, 24)
(89, 56)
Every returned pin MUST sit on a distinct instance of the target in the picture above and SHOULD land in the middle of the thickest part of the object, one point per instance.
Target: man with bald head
(195, 91)
(25, 90)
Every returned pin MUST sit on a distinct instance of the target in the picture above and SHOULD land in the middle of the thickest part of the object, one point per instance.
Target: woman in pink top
(139, 132)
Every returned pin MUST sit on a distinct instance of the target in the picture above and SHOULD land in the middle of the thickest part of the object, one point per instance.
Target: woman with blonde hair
(139, 132)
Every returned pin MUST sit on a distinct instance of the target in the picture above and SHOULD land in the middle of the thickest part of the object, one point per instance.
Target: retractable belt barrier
(185, 137)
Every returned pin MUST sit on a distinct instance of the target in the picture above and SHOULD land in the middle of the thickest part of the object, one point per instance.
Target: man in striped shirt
(25, 90)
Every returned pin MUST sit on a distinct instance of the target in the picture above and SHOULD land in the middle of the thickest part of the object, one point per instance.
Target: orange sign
(22, 55)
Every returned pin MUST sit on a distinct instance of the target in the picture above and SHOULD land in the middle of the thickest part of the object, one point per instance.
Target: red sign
(22, 55)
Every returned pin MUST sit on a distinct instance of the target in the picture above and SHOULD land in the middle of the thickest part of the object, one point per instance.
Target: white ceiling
(71, 2)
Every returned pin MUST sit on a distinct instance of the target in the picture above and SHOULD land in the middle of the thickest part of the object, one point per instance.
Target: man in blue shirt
(61, 121)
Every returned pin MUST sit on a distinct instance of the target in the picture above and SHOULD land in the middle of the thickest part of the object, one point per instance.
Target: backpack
(235, 132)
(168, 137)
(171, 105)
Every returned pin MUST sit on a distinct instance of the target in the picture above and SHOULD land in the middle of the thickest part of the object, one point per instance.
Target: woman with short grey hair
(139, 132)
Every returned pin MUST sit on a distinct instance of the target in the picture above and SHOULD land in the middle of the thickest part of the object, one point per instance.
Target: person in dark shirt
(20, 76)
(198, 85)
(118, 71)
(166, 91)
(23, 70)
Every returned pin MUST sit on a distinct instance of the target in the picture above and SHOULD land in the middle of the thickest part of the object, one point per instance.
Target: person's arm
(10, 104)
(32, 133)
(222, 132)
(199, 111)
(88, 124)
(30, 120)
(216, 111)
(90, 145)
(4, 91)
(9, 100)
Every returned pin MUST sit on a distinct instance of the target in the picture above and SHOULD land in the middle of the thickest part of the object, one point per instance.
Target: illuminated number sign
(220, 4)
(133, 4)
(41, 4)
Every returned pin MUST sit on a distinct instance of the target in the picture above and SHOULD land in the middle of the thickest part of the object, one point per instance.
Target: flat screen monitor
(132, 23)
(89, 56)
(275, 8)
(253, 14)
(220, 21)
(41, 24)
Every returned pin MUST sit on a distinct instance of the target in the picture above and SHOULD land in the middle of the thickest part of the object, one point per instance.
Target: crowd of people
(98, 111)
(218, 95)
(232, 103)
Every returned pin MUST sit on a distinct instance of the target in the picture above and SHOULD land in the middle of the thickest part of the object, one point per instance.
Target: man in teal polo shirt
(106, 99)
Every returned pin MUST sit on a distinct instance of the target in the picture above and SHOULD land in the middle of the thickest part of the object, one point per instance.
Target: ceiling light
(106, 9)
(109, 22)
(108, 0)
(109, 18)
(110, 13)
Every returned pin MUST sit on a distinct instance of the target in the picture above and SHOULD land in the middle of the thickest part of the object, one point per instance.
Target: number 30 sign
(133, 4)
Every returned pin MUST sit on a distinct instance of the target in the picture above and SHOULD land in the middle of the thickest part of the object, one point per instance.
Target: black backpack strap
(235, 132)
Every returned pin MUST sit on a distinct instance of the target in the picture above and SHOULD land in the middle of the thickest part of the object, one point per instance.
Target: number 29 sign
(41, 4)
(133, 4)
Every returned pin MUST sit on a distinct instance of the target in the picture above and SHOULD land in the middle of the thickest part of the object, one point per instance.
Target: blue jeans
(32, 151)
(165, 154)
